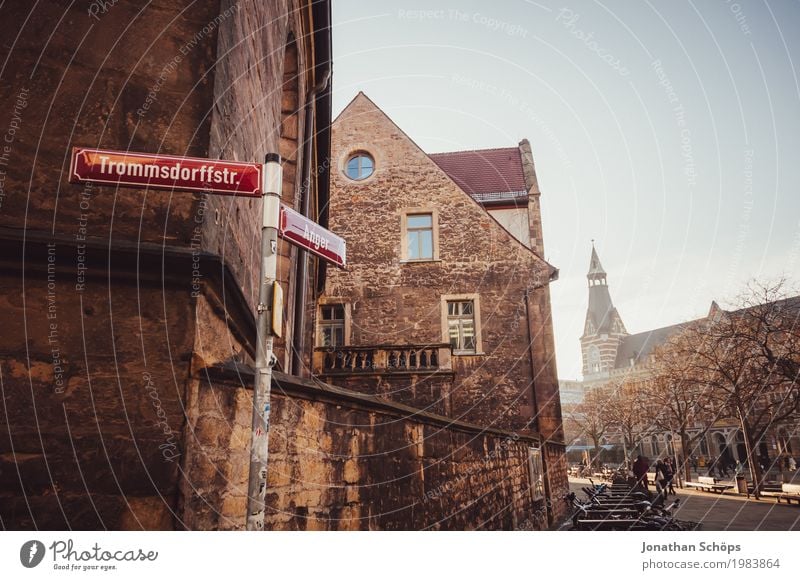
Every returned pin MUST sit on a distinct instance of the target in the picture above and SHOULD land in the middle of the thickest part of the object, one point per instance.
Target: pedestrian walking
(792, 464)
(640, 468)
(664, 475)
(672, 472)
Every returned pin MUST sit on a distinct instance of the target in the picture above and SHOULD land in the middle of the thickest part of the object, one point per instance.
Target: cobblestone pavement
(727, 512)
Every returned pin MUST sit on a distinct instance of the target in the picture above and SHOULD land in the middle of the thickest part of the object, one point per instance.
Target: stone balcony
(382, 359)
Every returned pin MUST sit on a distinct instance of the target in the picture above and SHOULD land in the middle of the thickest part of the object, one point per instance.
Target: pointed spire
(601, 316)
(596, 271)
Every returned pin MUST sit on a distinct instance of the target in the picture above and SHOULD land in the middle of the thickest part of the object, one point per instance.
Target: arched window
(594, 359)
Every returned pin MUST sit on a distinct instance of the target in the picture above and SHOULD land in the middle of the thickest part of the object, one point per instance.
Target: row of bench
(789, 491)
(709, 484)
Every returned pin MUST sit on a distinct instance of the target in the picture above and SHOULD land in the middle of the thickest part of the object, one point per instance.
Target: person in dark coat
(669, 475)
(640, 468)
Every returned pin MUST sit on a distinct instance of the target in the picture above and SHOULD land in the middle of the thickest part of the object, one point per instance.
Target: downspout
(535, 406)
(534, 402)
(301, 274)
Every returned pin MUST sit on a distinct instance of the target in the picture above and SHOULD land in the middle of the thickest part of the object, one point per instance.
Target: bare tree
(748, 360)
(625, 408)
(678, 398)
(592, 417)
(766, 329)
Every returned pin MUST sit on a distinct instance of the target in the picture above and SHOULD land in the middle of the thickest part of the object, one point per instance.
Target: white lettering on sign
(316, 239)
(205, 173)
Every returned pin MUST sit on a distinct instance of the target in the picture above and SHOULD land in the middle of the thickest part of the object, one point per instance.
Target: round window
(359, 166)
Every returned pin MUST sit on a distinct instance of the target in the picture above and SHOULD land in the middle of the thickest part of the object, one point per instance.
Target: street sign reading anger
(309, 235)
(165, 172)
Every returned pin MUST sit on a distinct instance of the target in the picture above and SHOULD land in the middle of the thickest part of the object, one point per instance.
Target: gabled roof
(486, 174)
(511, 161)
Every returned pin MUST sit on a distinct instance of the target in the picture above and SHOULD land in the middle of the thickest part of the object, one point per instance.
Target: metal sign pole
(259, 445)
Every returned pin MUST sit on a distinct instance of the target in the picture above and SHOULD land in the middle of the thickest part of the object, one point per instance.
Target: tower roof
(595, 267)
(601, 313)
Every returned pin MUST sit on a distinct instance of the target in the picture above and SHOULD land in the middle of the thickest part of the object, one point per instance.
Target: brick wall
(344, 461)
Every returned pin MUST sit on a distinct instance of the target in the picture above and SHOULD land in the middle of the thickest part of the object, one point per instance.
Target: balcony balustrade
(427, 358)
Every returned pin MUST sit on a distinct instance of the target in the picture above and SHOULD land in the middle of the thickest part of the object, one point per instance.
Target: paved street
(727, 512)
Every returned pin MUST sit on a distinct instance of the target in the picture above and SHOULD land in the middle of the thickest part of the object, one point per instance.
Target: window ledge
(468, 353)
(427, 261)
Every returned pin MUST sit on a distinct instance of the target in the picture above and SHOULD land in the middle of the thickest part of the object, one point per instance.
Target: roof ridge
(652, 330)
(789, 299)
(516, 147)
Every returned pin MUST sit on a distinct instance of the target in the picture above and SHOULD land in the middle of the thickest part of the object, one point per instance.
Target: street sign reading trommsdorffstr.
(165, 172)
(309, 235)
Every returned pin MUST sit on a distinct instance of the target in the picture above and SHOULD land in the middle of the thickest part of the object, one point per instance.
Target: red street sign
(165, 172)
(311, 236)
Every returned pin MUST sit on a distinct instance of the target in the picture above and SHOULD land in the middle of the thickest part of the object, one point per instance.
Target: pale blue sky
(667, 131)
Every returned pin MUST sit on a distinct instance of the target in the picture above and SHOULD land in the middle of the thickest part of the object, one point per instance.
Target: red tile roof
(485, 170)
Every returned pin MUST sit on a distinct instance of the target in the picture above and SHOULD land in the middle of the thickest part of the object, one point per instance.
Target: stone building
(611, 355)
(129, 313)
(445, 302)
(117, 301)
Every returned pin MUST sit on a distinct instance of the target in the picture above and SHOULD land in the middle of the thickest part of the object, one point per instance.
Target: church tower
(603, 329)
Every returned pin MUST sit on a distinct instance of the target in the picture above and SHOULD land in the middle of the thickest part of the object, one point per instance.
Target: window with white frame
(331, 325)
(419, 236)
(461, 325)
(360, 166)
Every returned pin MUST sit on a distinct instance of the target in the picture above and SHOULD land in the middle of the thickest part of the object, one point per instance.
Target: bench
(789, 492)
(709, 484)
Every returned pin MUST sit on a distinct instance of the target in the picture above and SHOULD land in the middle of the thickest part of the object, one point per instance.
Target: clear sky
(667, 131)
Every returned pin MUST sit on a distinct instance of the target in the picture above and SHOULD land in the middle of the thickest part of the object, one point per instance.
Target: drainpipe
(548, 489)
(534, 402)
(301, 275)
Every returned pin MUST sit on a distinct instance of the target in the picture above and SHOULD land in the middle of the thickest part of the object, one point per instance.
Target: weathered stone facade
(510, 380)
(344, 461)
(114, 296)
